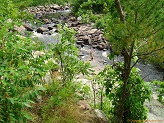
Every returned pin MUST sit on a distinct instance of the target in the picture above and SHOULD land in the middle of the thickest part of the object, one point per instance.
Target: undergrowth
(57, 105)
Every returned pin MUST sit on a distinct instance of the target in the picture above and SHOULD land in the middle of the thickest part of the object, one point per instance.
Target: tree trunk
(121, 115)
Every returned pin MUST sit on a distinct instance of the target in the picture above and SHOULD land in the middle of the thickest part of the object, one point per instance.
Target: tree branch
(120, 11)
(136, 16)
(141, 5)
(154, 32)
(134, 64)
(144, 54)
(149, 11)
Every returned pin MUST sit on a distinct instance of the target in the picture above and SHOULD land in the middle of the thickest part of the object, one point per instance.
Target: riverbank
(91, 39)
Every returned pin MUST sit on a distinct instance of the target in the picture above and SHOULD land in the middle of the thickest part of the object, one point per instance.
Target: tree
(136, 31)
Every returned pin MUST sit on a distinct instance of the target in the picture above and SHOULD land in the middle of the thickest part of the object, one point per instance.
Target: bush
(27, 3)
(96, 6)
(19, 70)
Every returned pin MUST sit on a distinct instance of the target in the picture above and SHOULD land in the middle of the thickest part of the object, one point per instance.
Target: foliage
(66, 52)
(19, 70)
(58, 96)
(138, 92)
(143, 24)
(95, 11)
(21, 4)
(159, 87)
(100, 100)
(136, 31)
(96, 6)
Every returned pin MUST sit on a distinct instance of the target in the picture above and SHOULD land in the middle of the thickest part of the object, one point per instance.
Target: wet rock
(80, 42)
(50, 28)
(38, 15)
(100, 37)
(84, 38)
(42, 29)
(28, 27)
(75, 28)
(101, 46)
(46, 21)
(54, 20)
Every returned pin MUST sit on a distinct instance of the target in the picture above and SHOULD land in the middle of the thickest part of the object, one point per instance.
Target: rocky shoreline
(86, 34)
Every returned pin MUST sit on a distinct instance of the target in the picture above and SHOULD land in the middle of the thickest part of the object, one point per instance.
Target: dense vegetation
(22, 70)
(135, 31)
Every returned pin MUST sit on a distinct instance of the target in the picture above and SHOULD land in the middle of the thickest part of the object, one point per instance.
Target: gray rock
(20, 29)
(84, 38)
(80, 42)
(83, 105)
(46, 21)
(74, 23)
(79, 18)
(100, 116)
(42, 29)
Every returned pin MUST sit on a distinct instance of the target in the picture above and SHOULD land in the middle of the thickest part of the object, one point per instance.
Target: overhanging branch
(148, 12)
(148, 53)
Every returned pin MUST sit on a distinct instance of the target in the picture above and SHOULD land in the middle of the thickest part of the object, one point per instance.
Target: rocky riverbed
(89, 39)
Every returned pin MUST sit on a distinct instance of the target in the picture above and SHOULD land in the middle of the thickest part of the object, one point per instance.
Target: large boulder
(98, 116)
(90, 115)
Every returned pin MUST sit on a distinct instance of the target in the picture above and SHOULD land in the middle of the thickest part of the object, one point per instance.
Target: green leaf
(26, 115)
(41, 88)
(11, 100)
(27, 105)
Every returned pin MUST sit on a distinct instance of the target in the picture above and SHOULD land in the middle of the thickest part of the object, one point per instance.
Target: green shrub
(19, 70)
(96, 6)
(138, 92)
(159, 87)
